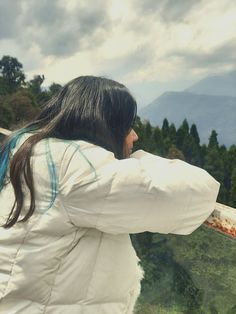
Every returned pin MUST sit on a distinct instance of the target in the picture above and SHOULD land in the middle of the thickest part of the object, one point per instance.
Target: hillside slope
(206, 111)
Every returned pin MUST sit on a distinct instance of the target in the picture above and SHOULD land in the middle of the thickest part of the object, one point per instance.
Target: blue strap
(52, 174)
(76, 145)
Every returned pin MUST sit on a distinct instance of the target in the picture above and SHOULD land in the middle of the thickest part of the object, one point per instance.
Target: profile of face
(129, 143)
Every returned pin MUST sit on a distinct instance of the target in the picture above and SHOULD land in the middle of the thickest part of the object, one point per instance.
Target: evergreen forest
(183, 274)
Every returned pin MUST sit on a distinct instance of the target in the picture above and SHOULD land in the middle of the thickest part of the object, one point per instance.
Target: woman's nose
(135, 136)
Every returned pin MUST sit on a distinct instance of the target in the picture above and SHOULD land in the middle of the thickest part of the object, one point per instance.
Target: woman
(64, 241)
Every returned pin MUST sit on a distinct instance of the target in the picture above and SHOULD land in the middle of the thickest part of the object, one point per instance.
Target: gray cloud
(9, 13)
(43, 13)
(136, 60)
(176, 11)
(169, 11)
(56, 30)
(223, 55)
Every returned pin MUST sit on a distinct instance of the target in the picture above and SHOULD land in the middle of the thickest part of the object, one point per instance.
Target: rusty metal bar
(5, 131)
(223, 218)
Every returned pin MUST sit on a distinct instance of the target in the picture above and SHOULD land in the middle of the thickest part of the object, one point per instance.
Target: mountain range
(210, 104)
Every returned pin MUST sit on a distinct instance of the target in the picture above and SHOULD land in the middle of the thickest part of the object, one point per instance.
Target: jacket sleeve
(141, 193)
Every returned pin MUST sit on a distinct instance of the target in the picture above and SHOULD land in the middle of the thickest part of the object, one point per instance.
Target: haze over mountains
(220, 85)
(210, 104)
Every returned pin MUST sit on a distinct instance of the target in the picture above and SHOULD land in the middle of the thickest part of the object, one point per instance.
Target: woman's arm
(142, 193)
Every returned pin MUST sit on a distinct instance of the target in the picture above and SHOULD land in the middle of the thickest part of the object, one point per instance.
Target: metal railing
(223, 218)
(5, 131)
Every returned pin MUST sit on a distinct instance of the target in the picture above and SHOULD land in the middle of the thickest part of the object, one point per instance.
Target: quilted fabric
(74, 255)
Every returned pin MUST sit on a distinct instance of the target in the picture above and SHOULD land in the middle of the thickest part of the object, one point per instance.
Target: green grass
(193, 274)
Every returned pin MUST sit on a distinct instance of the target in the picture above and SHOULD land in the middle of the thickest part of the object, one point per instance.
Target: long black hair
(94, 109)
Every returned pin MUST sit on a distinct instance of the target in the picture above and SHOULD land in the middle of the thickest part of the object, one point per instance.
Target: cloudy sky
(149, 45)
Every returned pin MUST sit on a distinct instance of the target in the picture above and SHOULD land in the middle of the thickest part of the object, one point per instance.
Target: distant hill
(210, 104)
(218, 85)
(206, 111)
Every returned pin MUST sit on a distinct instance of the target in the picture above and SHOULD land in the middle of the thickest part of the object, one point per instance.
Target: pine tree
(232, 156)
(194, 134)
(213, 142)
(233, 189)
(158, 140)
(203, 152)
(148, 130)
(175, 153)
(185, 141)
(185, 126)
(165, 128)
(172, 133)
(182, 133)
(214, 164)
(149, 143)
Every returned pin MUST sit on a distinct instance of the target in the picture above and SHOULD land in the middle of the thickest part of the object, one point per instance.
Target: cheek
(128, 140)
(126, 147)
(126, 144)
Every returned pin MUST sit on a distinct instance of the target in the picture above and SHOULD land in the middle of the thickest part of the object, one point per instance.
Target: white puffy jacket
(74, 255)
